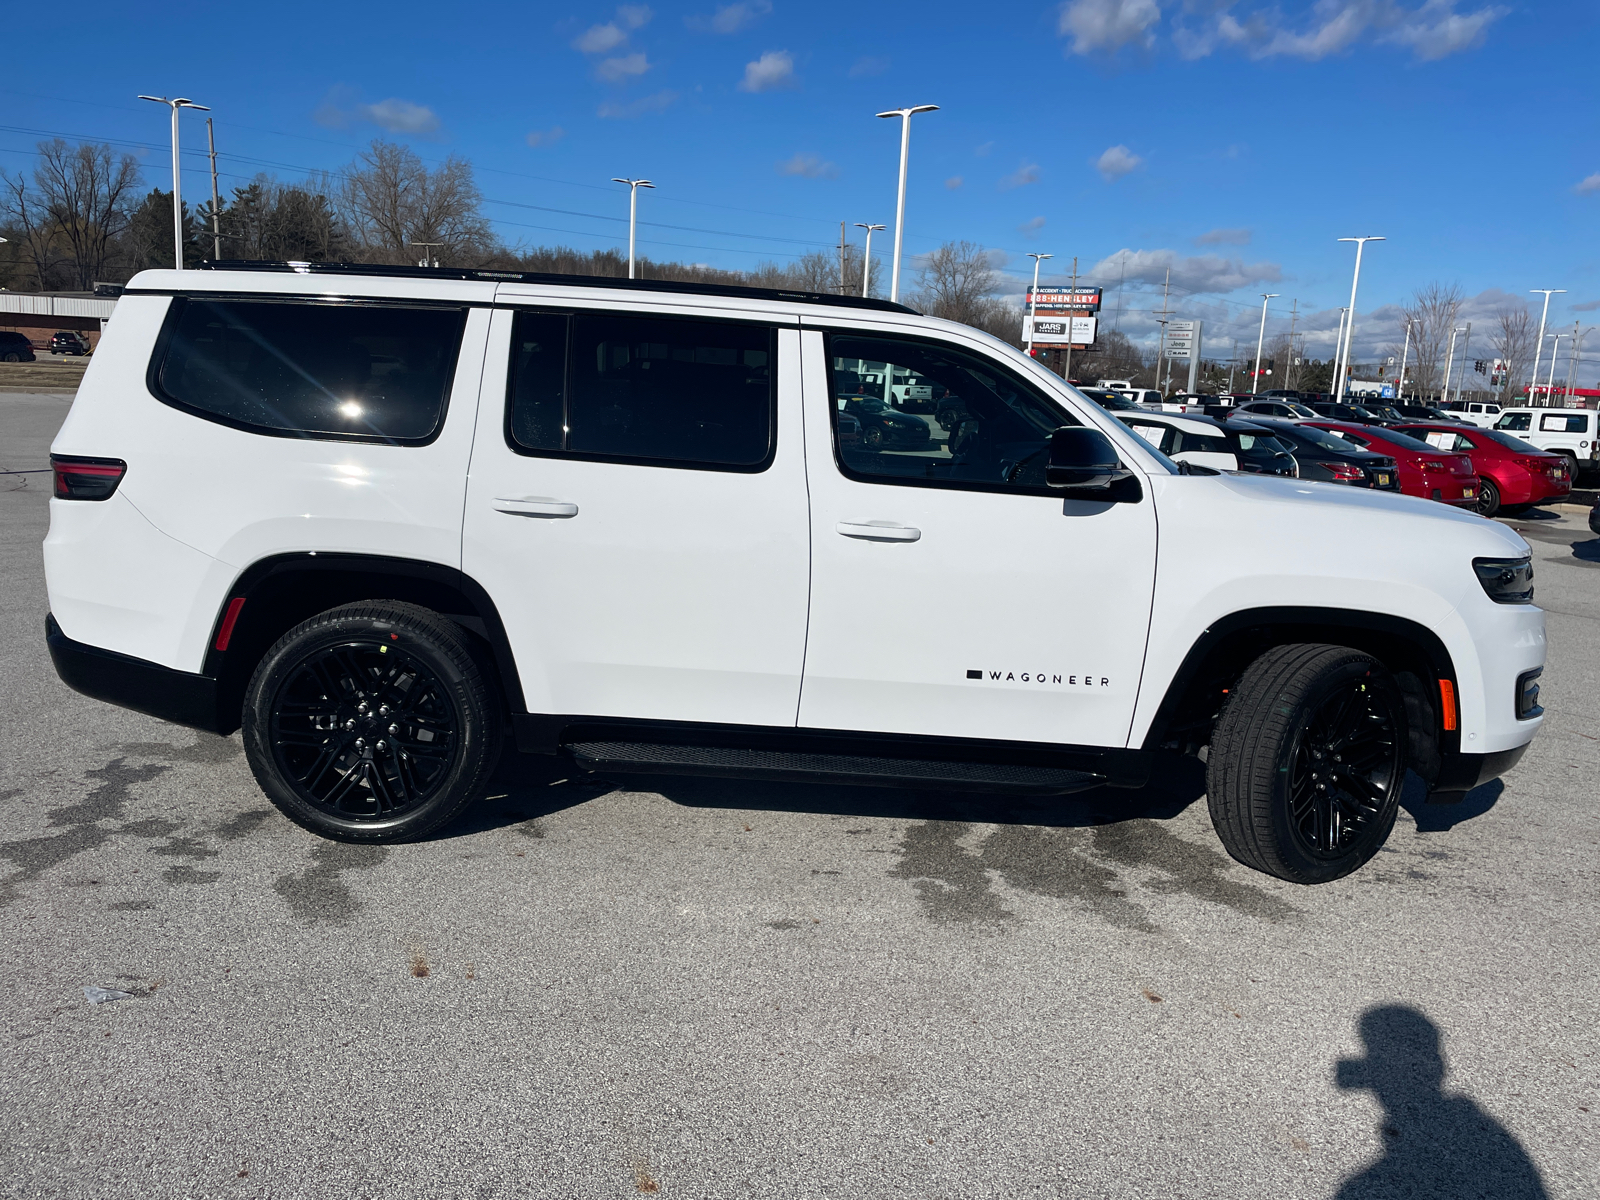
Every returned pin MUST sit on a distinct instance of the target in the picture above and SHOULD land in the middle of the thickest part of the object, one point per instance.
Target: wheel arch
(279, 592)
(1415, 653)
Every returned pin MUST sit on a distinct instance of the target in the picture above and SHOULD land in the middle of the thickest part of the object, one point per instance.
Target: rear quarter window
(346, 372)
(1563, 423)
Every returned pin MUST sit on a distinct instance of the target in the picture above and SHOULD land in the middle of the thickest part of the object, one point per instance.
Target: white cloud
(1030, 229)
(864, 68)
(546, 137)
(1025, 174)
(597, 39)
(1591, 184)
(1590, 306)
(808, 166)
(730, 18)
(615, 70)
(953, 183)
(400, 116)
(637, 108)
(1199, 273)
(634, 16)
(1224, 237)
(1096, 25)
(774, 69)
(1431, 31)
(1117, 162)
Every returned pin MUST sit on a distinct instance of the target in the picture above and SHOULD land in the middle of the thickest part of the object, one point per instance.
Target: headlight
(1506, 580)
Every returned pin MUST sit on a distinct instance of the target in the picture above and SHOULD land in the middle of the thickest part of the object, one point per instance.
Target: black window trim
(954, 485)
(169, 326)
(628, 460)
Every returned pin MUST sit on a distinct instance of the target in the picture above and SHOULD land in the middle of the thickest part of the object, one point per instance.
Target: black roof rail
(597, 281)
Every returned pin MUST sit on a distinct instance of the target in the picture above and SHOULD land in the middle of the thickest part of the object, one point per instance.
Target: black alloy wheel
(371, 722)
(1307, 762)
(1488, 498)
(872, 436)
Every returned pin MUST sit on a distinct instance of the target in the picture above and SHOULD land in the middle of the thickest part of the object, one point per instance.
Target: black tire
(1488, 498)
(371, 722)
(1294, 717)
(13, 356)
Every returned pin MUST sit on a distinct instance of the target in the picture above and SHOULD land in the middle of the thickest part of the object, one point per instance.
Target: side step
(652, 759)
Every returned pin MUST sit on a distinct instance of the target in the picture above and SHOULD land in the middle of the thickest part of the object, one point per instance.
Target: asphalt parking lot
(701, 989)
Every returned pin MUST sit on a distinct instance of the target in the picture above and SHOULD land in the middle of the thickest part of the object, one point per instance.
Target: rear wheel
(1488, 498)
(1307, 762)
(370, 723)
(13, 356)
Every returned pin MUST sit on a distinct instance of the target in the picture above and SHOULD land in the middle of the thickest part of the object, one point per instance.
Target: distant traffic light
(1478, 366)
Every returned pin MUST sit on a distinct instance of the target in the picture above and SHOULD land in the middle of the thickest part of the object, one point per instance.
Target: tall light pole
(1550, 384)
(1449, 360)
(866, 258)
(177, 196)
(905, 115)
(1261, 336)
(1033, 301)
(633, 211)
(1538, 346)
(1350, 325)
(1338, 340)
(1400, 383)
(1466, 350)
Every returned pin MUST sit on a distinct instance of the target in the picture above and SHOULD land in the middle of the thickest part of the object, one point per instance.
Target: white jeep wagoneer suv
(380, 519)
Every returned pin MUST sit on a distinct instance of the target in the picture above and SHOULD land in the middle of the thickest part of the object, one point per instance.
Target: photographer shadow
(1436, 1143)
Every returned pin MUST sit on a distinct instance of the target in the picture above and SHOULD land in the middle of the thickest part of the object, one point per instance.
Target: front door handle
(535, 506)
(878, 531)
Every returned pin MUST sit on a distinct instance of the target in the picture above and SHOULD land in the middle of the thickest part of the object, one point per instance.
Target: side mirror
(1084, 464)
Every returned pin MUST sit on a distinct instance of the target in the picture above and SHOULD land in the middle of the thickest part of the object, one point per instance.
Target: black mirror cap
(1084, 464)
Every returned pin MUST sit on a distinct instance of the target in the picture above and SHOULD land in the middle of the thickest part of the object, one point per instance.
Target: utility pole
(842, 290)
(1466, 357)
(1163, 317)
(216, 201)
(1288, 369)
(1233, 363)
(1066, 371)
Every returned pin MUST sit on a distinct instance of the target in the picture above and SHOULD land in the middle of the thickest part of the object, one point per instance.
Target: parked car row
(18, 347)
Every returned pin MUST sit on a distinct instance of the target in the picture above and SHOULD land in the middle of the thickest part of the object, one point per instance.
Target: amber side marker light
(1447, 704)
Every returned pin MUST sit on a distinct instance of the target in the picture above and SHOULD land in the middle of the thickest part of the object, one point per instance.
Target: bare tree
(957, 283)
(1512, 339)
(73, 211)
(391, 200)
(1432, 313)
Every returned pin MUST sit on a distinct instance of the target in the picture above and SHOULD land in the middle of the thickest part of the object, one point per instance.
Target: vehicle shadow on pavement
(1438, 818)
(1587, 551)
(1435, 1143)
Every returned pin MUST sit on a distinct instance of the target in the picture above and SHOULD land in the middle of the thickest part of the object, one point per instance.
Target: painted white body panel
(1583, 444)
(669, 593)
(688, 595)
(1047, 599)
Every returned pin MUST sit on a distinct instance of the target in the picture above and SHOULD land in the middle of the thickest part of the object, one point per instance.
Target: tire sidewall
(1300, 861)
(474, 733)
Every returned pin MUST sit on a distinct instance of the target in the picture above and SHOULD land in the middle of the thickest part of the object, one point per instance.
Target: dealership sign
(1052, 331)
(1084, 301)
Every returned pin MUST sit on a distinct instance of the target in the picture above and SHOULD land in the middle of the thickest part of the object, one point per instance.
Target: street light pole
(1466, 350)
(1338, 340)
(905, 115)
(633, 211)
(1033, 301)
(1261, 336)
(177, 197)
(1343, 361)
(1550, 384)
(1400, 383)
(1449, 361)
(1538, 347)
(866, 258)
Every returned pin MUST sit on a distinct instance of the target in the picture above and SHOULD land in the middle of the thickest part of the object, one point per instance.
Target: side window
(1159, 436)
(357, 372)
(1520, 422)
(1563, 423)
(979, 426)
(654, 390)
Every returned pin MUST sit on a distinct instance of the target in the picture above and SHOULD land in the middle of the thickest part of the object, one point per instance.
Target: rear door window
(1520, 422)
(662, 391)
(1563, 423)
(356, 372)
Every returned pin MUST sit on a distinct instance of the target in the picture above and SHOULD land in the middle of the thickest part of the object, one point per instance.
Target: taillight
(1346, 472)
(86, 478)
(1433, 464)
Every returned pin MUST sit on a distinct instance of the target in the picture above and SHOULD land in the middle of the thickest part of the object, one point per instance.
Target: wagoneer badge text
(1045, 677)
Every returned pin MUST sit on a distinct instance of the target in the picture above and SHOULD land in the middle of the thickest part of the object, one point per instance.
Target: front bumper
(1460, 773)
(129, 682)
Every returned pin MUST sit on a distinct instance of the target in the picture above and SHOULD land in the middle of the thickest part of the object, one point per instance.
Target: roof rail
(596, 281)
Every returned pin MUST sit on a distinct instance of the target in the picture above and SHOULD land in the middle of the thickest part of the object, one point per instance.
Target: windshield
(1115, 401)
(1321, 439)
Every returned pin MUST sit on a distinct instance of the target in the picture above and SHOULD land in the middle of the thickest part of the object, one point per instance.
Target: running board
(643, 758)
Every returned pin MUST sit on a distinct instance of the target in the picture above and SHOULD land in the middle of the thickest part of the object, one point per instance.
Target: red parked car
(1511, 474)
(1424, 470)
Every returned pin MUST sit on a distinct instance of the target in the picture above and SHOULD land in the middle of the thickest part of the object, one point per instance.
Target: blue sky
(1233, 142)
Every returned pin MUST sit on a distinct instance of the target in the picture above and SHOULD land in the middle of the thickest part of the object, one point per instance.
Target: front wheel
(1307, 762)
(370, 722)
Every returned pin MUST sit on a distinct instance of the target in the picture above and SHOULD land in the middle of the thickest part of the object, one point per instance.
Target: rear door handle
(535, 506)
(878, 531)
